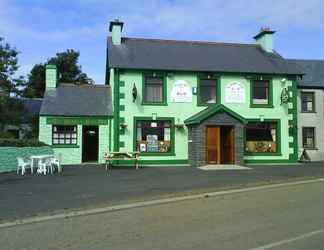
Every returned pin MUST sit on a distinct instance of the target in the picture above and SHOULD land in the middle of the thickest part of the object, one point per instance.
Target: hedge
(21, 143)
(8, 155)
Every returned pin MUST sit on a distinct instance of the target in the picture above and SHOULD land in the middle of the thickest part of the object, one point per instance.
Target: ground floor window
(153, 136)
(64, 135)
(261, 137)
(308, 137)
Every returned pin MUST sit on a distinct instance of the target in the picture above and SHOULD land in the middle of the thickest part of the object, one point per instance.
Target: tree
(11, 109)
(9, 83)
(36, 82)
(68, 68)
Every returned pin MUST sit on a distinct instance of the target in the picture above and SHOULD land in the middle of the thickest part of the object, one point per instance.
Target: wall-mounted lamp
(179, 125)
(261, 118)
(170, 75)
(123, 125)
(134, 93)
(284, 97)
(194, 90)
(154, 116)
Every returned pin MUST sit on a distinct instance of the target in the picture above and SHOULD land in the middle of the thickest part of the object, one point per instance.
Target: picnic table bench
(115, 156)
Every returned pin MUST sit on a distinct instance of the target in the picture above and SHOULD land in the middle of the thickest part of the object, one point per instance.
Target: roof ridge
(29, 98)
(84, 85)
(309, 60)
(189, 41)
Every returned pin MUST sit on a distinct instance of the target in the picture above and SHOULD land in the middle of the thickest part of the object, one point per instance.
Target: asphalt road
(81, 187)
(278, 218)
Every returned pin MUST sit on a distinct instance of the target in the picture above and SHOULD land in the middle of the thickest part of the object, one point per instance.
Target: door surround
(197, 134)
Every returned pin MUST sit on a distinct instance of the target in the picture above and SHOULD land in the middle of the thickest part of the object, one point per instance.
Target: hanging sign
(235, 93)
(181, 92)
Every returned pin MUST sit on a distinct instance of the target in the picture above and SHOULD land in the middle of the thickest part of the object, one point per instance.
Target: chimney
(51, 77)
(265, 39)
(116, 27)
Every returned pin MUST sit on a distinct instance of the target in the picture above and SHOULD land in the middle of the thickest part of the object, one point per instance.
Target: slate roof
(154, 54)
(32, 106)
(314, 73)
(78, 100)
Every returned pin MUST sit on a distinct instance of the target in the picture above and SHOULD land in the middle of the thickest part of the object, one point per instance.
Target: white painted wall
(312, 120)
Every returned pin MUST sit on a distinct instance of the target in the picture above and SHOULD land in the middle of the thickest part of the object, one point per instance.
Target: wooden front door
(220, 145)
(213, 154)
(227, 142)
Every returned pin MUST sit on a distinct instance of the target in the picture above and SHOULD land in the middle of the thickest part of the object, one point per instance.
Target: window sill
(310, 148)
(261, 106)
(308, 112)
(65, 146)
(154, 104)
(261, 154)
(206, 104)
(157, 154)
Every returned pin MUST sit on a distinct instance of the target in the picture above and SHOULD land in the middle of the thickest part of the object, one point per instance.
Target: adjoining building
(311, 108)
(179, 103)
(76, 119)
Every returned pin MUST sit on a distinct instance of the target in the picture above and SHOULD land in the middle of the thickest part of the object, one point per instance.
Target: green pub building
(178, 103)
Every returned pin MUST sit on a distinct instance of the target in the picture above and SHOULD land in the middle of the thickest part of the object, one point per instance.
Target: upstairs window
(307, 102)
(260, 93)
(207, 91)
(261, 137)
(153, 90)
(64, 135)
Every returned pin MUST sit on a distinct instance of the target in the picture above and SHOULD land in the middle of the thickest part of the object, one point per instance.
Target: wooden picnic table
(115, 156)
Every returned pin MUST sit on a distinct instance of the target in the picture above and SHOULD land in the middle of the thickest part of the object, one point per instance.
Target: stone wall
(197, 138)
(8, 155)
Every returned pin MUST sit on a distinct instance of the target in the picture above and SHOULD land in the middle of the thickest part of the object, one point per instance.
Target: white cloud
(87, 21)
(234, 20)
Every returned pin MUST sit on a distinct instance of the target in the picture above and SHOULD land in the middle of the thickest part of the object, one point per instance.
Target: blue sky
(40, 28)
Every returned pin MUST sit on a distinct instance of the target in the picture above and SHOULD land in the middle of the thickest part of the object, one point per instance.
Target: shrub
(6, 135)
(21, 143)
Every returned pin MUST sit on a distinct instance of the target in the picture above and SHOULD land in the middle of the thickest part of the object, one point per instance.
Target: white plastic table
(35, 159)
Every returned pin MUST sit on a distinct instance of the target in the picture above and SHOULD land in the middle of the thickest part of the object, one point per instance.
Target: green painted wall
(73, 155)
(8, 155)
(181, 111)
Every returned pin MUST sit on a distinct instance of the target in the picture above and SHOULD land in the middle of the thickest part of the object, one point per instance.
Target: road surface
(277, 218)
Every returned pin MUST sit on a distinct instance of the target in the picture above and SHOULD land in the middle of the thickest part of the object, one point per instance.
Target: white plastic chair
(42, 166)
(55, 163)
(22, 165)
